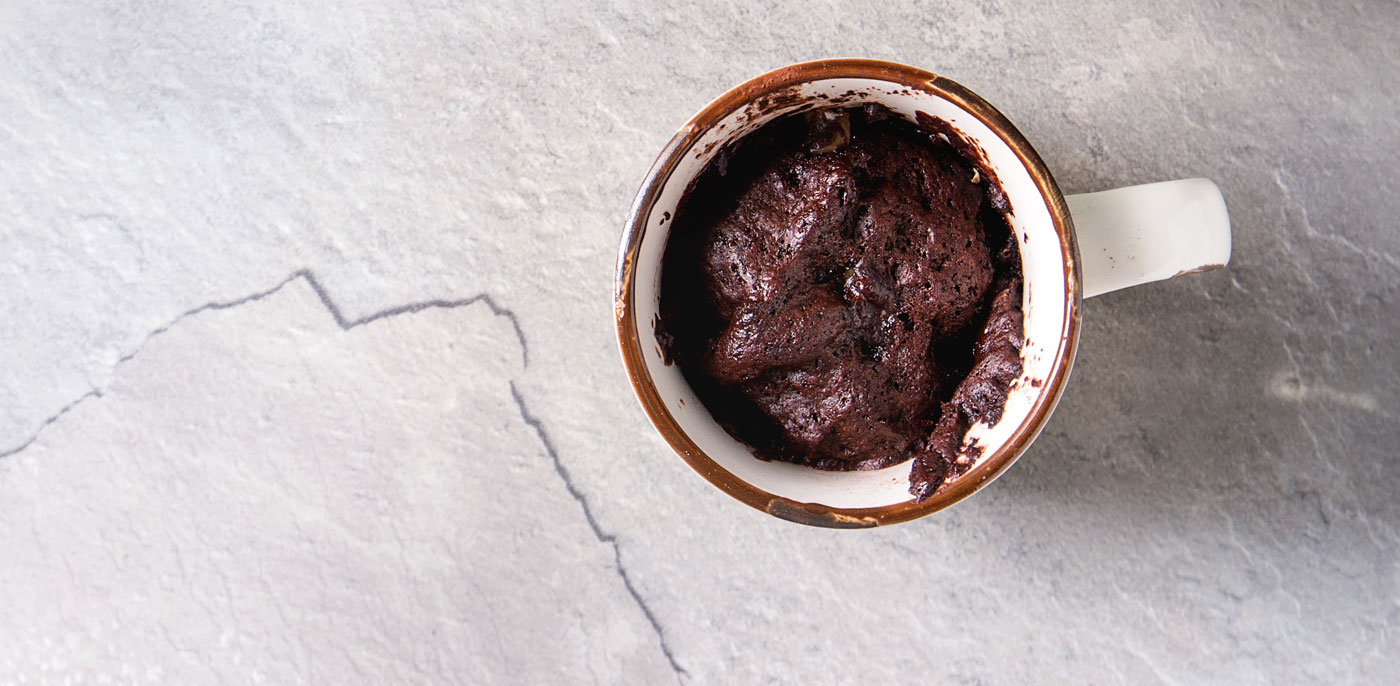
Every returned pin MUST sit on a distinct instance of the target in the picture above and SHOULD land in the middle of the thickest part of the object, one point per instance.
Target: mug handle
(1140, 234)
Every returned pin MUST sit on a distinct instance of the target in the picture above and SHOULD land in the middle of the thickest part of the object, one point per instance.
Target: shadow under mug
(1071, 248)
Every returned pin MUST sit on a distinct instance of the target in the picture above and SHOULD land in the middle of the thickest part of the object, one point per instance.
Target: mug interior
(1047, 266)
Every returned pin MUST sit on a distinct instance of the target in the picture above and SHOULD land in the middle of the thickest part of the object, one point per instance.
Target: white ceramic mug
(1116, 239)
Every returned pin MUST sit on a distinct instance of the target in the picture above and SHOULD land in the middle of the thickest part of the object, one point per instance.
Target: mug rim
(992, 464)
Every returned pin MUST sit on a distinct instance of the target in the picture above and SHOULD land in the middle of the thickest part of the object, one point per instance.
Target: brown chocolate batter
(841, 291)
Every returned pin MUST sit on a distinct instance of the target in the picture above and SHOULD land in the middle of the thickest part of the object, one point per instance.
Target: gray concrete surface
(237, 450)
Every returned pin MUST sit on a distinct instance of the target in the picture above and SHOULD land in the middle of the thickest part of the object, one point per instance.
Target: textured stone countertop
(308, 375)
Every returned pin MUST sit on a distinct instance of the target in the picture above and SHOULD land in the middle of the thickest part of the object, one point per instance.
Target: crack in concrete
(347, 324)
(413, 308)
(598, 532)
(341, 321)
(94, 393)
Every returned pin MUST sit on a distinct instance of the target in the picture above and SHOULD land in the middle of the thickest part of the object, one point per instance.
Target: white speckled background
(307, 371)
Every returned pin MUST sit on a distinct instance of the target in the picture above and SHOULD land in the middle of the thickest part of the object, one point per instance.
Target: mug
(1071, 248)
